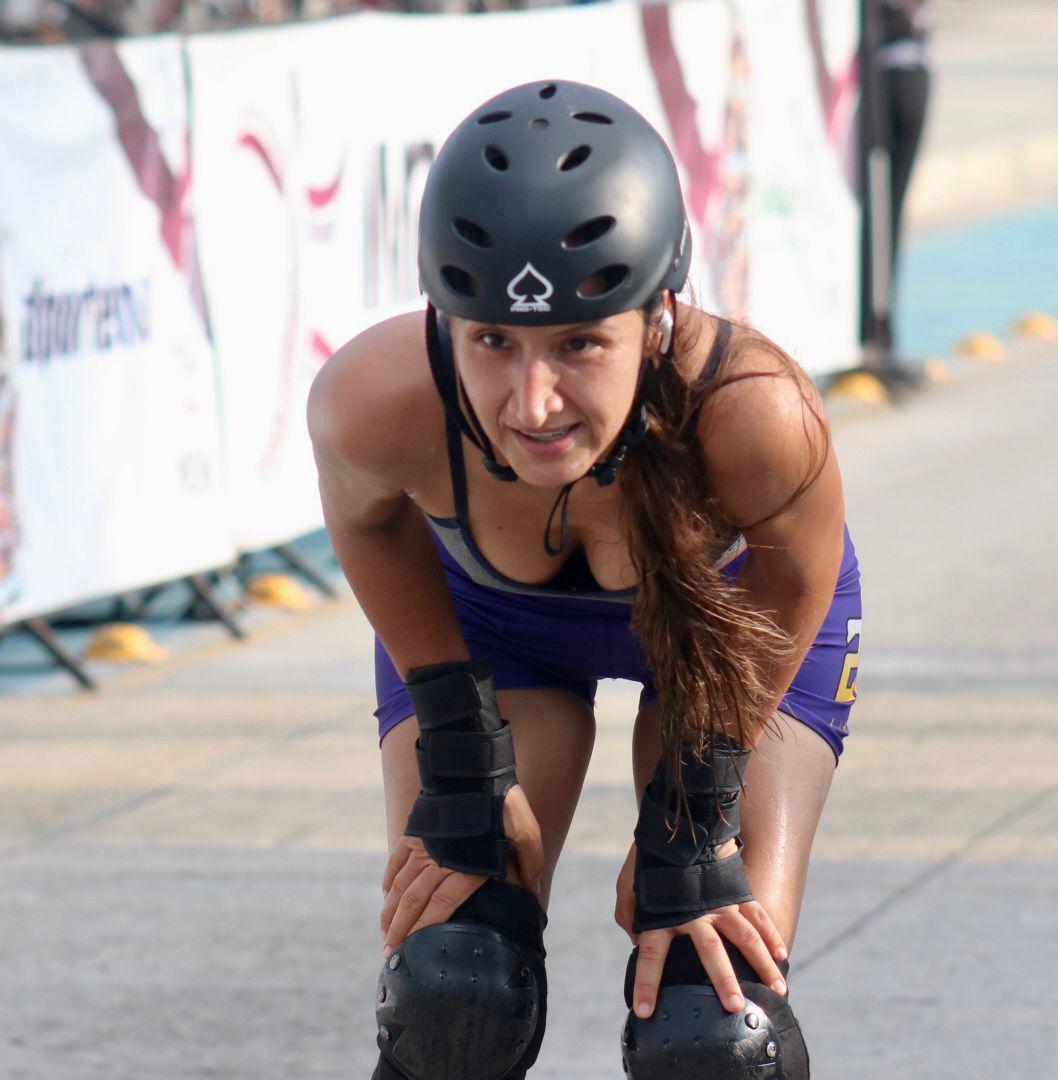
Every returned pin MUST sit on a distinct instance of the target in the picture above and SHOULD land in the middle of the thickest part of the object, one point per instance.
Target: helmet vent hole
(592, 118)
(494, 117)
(575, 157)
(539, 123)
(473, 234)
(602, 282)
(496, 158)
(460, 282)
(548, 91)
(589, 232)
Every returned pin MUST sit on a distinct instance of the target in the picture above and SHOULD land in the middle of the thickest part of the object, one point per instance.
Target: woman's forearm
(398, 579)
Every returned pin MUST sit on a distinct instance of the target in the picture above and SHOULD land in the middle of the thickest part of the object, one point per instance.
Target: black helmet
(552, 203)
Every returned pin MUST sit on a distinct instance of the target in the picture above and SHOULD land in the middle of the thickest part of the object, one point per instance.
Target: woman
(576, 476)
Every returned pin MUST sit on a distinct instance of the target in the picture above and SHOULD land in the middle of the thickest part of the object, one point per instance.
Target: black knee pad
(691, 1036)
(467, 999)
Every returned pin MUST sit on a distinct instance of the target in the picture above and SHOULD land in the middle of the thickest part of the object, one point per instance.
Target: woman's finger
(453, 891)
(397, 858)
(523, 831)
(653, 948)
(403, 878)
(412, 904)
(741, 933)
(625, 906)
(717, 964)
(624, 909)
(762, 922)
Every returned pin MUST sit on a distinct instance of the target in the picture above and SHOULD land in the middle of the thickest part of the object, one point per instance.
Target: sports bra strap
(719, 347)
(713, 361)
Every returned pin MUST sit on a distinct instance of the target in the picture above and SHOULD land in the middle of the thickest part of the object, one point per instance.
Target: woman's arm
(763, 438)
(368, 419)
(377, 429)
(767, 451)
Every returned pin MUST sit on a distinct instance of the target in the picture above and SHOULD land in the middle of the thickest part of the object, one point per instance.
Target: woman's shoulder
(373, 403)
(751, 380)
(763, 427)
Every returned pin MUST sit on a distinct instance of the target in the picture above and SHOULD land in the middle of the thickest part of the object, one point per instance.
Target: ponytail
(709, 649)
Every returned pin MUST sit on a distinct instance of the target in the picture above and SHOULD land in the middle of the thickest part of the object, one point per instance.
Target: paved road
(991, 140)
(995, 71)
(190, 861)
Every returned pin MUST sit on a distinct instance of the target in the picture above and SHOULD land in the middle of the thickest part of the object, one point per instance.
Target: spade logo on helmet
(529, 290)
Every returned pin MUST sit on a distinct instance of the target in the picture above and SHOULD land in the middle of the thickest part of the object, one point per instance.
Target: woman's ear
(661, 330)
(665, 329)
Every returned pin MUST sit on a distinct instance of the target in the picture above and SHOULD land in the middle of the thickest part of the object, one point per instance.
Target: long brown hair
(709, 649)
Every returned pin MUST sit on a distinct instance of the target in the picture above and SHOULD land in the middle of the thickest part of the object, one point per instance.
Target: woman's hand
(625, 908)
(747, 926)
(419, 893)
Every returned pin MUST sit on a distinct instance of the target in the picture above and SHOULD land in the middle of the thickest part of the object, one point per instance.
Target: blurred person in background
(904, 77)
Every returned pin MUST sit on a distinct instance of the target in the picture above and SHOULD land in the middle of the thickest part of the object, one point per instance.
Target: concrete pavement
(991, 140)
(191, 859)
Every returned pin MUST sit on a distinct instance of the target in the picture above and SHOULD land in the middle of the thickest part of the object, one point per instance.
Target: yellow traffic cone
(279, 591)
(1035, 324)
(124, 643)
(980, 346)
(859, 386)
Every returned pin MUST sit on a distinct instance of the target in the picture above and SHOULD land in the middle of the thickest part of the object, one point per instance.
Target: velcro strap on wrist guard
(690, 843)
(465, 755)
(716, 774)
(686, 892)
(448, 817)
(678, 875)
(457, 695)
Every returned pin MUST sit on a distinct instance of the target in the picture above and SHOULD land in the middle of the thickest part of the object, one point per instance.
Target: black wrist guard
(466, 765)
(678, 876)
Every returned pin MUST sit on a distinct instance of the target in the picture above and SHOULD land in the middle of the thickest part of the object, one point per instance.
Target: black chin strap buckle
(500, 472)
(634, 432)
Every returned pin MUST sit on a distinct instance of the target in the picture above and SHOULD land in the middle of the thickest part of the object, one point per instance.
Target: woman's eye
(493, 341)
(581, 344)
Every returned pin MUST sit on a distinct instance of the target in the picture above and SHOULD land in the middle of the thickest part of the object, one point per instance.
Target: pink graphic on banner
(257, 145)
(838, 92)
(320, 197)
(702, 164)
(295, 339)
(169, 191)
(717, 177)
(320, 346)
(254, 144)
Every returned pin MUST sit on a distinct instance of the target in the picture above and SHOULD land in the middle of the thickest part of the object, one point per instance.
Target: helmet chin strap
(603, 472)
(442, 367)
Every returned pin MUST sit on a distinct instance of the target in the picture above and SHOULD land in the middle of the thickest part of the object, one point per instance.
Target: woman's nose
(536, 396)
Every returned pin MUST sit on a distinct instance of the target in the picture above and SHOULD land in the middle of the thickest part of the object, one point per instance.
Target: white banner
(110, 468)
(309, 148)
(311, 145)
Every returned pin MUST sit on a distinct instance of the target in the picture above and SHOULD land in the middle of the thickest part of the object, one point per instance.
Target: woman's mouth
(544, 443)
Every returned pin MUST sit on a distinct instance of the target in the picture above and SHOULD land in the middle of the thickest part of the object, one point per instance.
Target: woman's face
(552, 399)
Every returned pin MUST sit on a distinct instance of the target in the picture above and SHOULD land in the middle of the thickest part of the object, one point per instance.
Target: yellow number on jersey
(847, 683)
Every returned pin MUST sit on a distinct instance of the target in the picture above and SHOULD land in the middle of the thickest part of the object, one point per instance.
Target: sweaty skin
(377, 425)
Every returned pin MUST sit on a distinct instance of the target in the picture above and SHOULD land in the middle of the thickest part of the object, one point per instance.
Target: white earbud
(665, 326)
